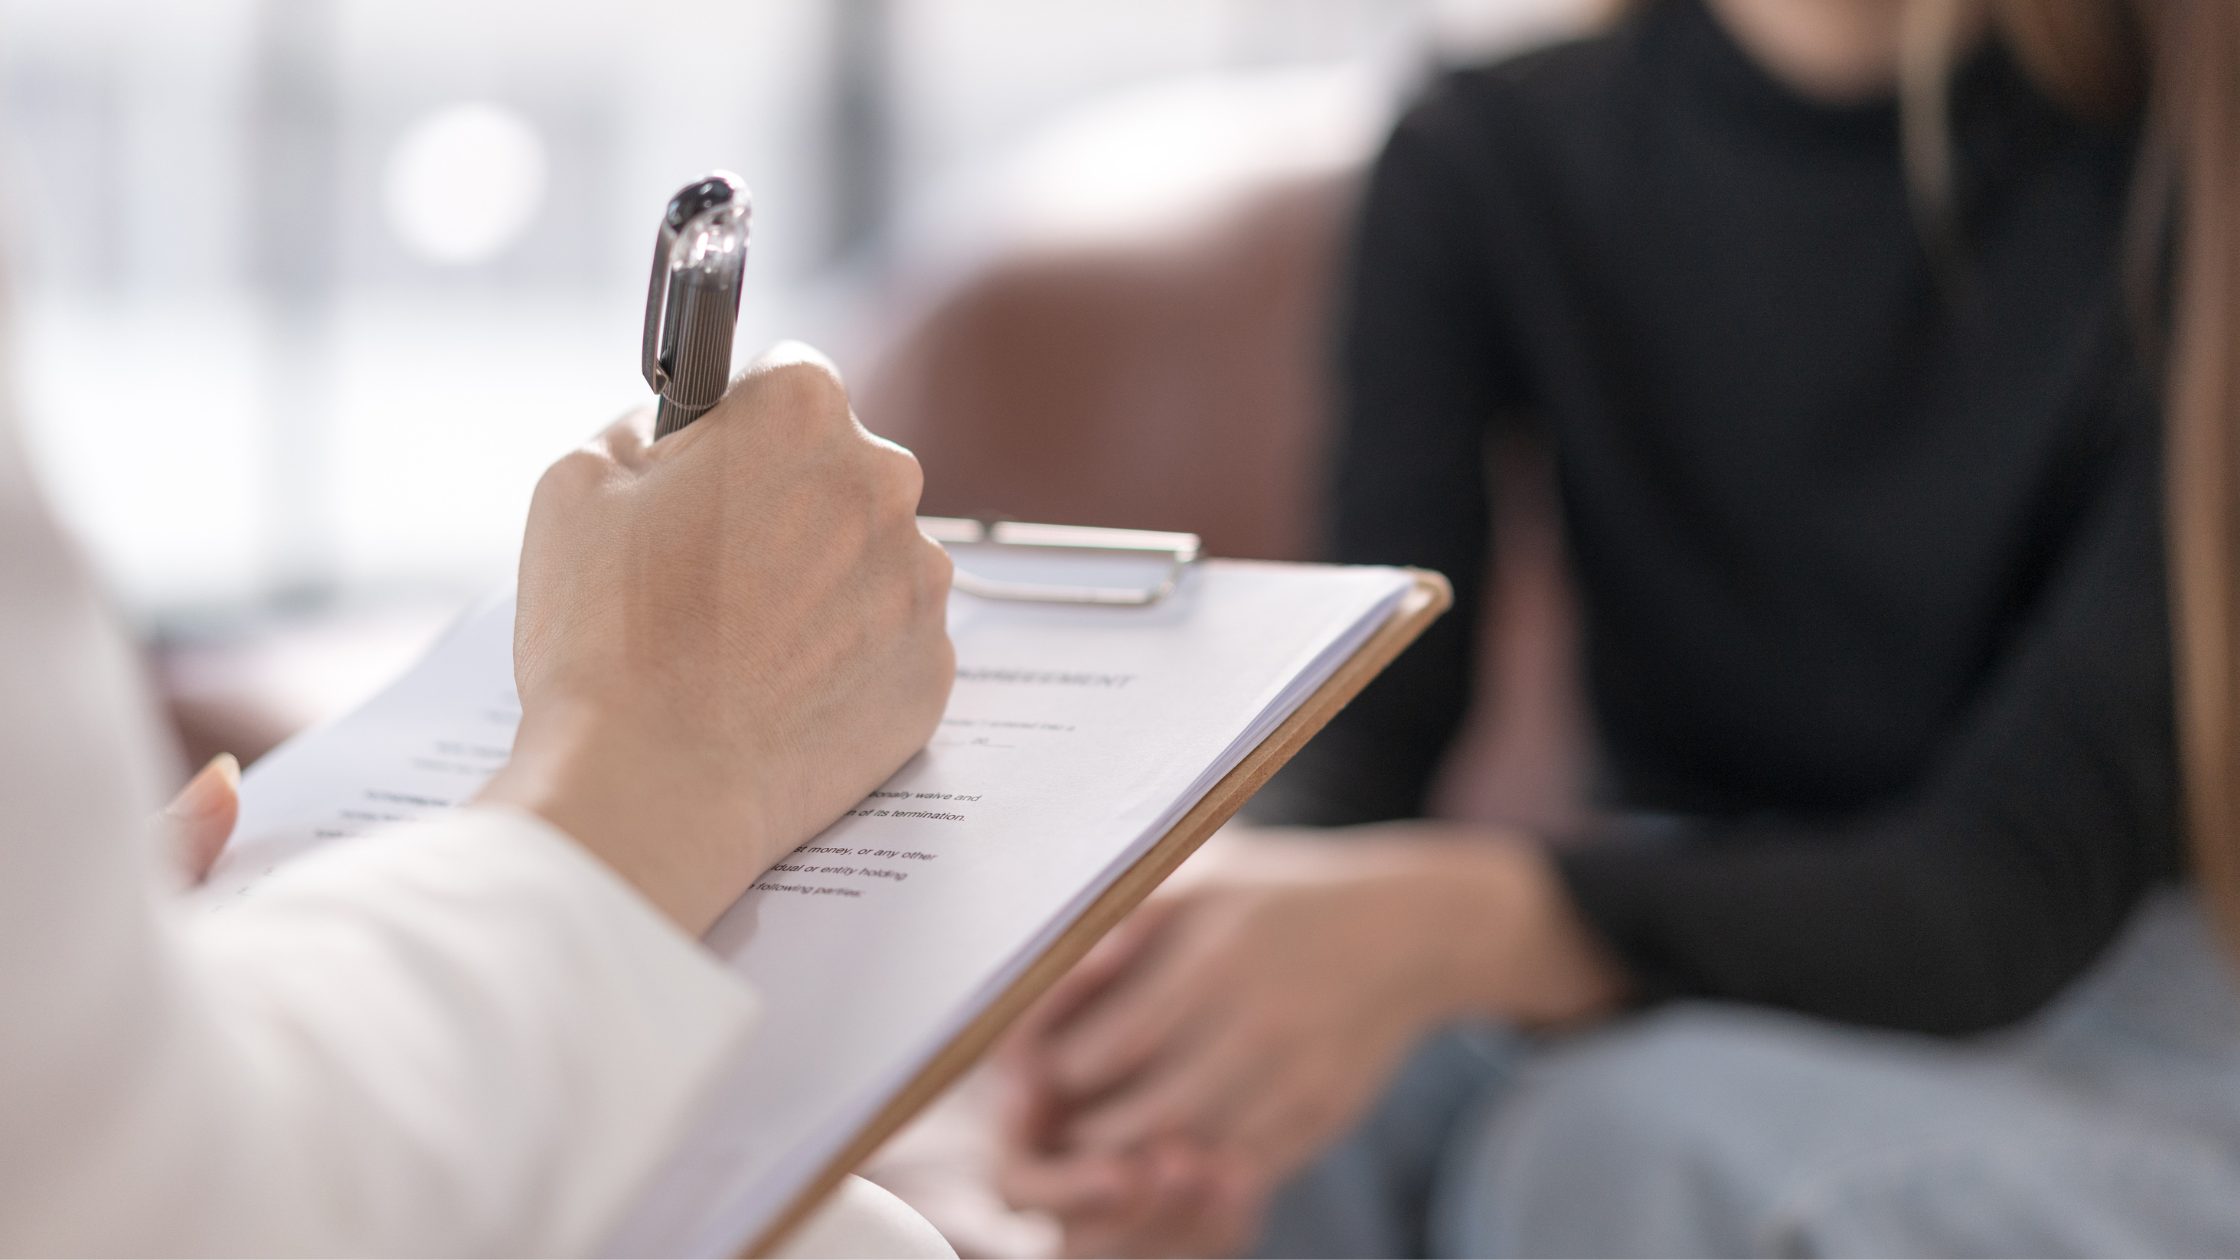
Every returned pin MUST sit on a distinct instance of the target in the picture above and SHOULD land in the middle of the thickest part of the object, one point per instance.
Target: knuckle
(936, 568)
(809, 387)
(572, 476)
(940, 676)
(909, 474)
(896, 482)
(633, 431)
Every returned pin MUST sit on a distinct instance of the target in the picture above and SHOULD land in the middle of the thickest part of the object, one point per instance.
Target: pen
(692, 301)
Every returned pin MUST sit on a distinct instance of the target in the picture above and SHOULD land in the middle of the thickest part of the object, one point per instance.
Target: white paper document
(1075, 738)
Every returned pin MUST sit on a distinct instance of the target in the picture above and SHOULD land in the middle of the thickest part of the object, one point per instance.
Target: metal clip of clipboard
(1179, 550)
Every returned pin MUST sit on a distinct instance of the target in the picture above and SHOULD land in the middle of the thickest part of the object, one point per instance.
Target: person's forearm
(1922, 921)
(1516, 947)
(1488, 927)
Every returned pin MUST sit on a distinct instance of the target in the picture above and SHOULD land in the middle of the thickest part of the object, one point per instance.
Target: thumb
(200, 818)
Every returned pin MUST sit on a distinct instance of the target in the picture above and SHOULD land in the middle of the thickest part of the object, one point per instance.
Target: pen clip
(657, 300)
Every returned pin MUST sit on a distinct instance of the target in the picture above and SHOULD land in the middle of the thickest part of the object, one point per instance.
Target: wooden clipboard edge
(1422, 605)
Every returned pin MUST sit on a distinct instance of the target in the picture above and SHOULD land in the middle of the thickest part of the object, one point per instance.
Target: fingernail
(208, 791)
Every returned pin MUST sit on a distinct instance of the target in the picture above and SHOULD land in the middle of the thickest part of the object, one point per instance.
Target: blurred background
(305, 293)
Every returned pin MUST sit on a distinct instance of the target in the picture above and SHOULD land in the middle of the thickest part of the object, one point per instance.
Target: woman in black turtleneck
(1863, 498)
(1869, 551)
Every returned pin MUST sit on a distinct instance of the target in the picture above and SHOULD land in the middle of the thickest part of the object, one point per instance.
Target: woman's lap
(2110, 1125)
(1720, 1131)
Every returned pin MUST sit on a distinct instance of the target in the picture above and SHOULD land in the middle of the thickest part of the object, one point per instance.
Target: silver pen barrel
(702, 317)
(692, 298)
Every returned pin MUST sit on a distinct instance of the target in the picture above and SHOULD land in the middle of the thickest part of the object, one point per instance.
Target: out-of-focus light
(1167, 151)
(463, 181)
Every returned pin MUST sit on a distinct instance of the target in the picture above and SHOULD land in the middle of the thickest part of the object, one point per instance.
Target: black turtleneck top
(1869, 543)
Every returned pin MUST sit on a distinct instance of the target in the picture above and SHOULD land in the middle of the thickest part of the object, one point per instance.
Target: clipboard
(1424, 602)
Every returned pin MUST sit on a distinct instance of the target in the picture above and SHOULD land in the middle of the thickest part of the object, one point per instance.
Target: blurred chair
(1172, 373)
(1164, 383)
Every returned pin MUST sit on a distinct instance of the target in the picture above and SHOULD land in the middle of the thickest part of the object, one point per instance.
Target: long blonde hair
(2178, 61)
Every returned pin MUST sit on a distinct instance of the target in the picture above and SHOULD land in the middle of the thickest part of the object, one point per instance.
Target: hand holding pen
(721, 645)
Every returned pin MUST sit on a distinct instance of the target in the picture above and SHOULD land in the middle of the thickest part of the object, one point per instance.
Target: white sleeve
(466, 1038)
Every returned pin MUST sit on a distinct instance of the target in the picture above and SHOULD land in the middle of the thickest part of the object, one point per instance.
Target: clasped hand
(1245, 1018)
